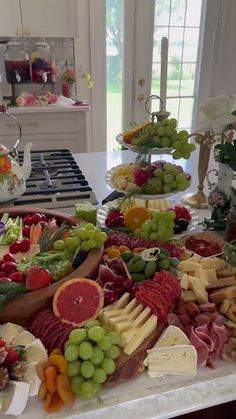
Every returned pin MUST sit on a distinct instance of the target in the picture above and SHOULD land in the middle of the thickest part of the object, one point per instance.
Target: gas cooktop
(56, 181)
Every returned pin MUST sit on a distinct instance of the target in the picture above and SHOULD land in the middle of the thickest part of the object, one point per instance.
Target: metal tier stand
(205, 140)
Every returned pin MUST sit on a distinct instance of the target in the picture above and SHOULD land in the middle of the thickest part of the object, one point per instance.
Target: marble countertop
(50, 108)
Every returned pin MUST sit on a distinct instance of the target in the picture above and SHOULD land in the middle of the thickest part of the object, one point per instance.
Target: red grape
(8, 257)
(109, 297)
(26, 231)
(9, 267)
(18, 277)
(37, 218)
(28, 220)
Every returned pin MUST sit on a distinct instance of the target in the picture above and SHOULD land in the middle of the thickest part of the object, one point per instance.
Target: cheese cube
(188, 295)
(184, 283)
(199, 290)
(211, 275)
(145, 330)
(202, 276)
(188, 266)
(179, 359)
(211, 263)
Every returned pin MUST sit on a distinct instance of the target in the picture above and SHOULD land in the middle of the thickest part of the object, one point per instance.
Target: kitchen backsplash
(62, 47)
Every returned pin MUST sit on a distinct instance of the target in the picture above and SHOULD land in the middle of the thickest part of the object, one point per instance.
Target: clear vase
(219, 199)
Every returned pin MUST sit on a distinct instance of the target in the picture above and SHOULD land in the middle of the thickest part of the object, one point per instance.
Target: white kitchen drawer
(44, 123)
(76, 143)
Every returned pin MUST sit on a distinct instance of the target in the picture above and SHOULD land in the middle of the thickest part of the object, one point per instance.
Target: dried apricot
(41, 366)
(59, 362)
(107, 249)
(64, 389)
(56, 351)
(51, 379)
(123, 249)
(53, 402)
(42, 391)
(135, 217)
(113, 253)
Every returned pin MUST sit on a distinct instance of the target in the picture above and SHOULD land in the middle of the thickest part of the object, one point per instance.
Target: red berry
(37, 278)
(18, 277)
(12, 356)
(9, 267)
(141, 176)
(109, 297)
(24, 245)
(2, 343)
(44, 217)
(8, 257)
(14, 247)
(2, 274)
(28, 220)
(26, 231)
(37, 218)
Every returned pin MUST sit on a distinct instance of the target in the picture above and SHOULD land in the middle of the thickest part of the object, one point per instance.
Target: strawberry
(2, 343)
(141, 176)
(12, 356)
(37, 278)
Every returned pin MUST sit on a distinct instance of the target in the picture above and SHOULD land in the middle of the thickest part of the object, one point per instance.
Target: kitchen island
(143, 397)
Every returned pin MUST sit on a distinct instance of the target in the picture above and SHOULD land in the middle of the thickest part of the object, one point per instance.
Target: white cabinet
(44, 18)
(47, 129)
(10, 18)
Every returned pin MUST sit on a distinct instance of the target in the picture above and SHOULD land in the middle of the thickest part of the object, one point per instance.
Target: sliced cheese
(184, 283)
(127, 336)
(211, 263)
(211, 275)
(15, 397)
(9, 331)
(121, 303)
(195, 259)
(122, 327)
(199, 290)
(188, 266)
(130, 307)
(117, 319)
(36, 352)
(145, 330)
(202, 276)
(141, 319)
(24, 339)
(179, 359)
(135, 313)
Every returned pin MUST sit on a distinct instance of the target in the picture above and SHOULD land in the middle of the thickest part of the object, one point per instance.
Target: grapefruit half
(77, 301)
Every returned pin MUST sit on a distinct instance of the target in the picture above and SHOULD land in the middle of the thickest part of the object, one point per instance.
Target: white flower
(216, 113)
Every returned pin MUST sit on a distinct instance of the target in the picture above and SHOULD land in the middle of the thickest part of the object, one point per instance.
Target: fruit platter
(148, 180)
(157, 138)
(84, 309)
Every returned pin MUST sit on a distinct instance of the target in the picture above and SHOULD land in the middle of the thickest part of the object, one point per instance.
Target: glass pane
(156, 71)
(177, 12)
(175, 44)
(172, 106)
(186, 112)
(193, 15)
(114, 50)
(187, 79)
(173, 79)
(162, 12)
(158, 34)
(190, 44)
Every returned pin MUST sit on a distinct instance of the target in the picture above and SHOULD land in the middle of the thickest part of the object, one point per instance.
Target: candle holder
(205, 140)
(159, 115)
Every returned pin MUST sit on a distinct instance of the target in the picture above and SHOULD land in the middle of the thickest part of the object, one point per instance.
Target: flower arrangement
(225, 152)
(30, 99)
(69, 75)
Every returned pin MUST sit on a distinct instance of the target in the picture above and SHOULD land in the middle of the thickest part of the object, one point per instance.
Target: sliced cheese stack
(131, 320)
(172, 354)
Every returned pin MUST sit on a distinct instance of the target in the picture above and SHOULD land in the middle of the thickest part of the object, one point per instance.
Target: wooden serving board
(22, 308)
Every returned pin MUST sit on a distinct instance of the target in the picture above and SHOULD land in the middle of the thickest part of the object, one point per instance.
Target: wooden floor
(223, 411)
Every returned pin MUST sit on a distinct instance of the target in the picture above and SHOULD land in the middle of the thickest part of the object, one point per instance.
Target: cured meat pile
(159, 294)
(48, 328)
(117, 239)
(204, 327)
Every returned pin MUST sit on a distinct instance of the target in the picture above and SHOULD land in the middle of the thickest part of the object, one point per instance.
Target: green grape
(59, 245)
(161, 131)
(137, 232)
(73, 368)
(154, 225)
(96, 386)
(177, 145)
(146, 226)
(192, 147)
(97, 355)
(113, 352)
(92, 323)
(87, 369)
(186, 155)
(108, 365)
(104, 343)
(91, 243)
(144, 235)
(176, 155)
(99, 376)
(72, 353)
(167, 188)
(77, 336)
(165, 122)
(181, 186)
(91, 234)
(85, 245)
(170, 131)
(167, 178)
(155, 141)
(89, 226)
(183, 134)
(165, 141)
(102, 237)
(72, 243)
(174, 185)
(82, 233)
(67, 344)
(87, 391)
(173, 122)
(85, 350)
(171, 169)
(96, 333)
(114, 337)
(180, 178)
(153, 236)
(159, 173)
(163, 264)
(76, 383)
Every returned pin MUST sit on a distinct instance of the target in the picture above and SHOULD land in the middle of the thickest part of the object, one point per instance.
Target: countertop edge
(47, 109)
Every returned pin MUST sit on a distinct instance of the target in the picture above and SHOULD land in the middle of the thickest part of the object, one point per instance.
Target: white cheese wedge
(171, 336)
(24, 339)
(36, 352)
(31, 377)
(211, 263)
(145, 330)
(199, 290)
(9, 331)
(179, 359)
(15, 397)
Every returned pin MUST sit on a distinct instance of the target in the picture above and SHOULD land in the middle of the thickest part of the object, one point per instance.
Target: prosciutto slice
(218, 334)
(203, 333)
(201, 347)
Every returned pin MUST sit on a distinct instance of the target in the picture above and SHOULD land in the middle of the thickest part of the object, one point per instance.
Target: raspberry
(141, 176)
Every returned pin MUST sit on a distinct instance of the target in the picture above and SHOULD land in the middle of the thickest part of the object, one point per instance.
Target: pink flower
(29, 100)
(52, 98)
(230, 137)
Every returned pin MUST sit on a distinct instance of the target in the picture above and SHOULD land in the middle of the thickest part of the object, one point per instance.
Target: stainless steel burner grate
(56, 181)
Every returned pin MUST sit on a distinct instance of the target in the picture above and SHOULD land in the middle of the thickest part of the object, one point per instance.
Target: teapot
(12, 175)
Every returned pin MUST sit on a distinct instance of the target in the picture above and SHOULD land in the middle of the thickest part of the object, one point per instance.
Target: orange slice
(135, 217)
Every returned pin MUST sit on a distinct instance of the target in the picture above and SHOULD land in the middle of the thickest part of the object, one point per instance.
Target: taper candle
(164, 65)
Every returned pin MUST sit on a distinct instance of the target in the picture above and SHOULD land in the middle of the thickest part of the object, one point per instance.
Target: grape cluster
(167, 178)
(83, 237)
(165, 135)
(90, 352)
(159, 228)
